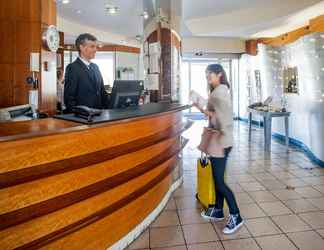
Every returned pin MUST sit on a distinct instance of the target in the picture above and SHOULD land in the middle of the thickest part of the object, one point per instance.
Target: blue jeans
(221, 189)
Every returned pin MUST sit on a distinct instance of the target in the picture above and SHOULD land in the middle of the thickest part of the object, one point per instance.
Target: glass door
(198, 80)
(194, 77)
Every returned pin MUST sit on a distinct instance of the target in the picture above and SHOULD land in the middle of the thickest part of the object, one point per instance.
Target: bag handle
(203, 159)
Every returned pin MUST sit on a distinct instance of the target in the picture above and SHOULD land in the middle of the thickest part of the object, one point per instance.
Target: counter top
(10, 131)
(127, 113)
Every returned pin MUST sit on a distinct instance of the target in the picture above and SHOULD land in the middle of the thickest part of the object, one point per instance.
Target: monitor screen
(125, 93)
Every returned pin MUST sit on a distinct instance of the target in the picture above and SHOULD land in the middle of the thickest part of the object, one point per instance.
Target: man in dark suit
(83, 81)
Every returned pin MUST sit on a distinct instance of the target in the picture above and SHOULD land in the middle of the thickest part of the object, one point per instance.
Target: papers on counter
(194, 97)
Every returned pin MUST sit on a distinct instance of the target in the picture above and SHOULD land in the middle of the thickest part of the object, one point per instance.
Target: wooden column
(22, 23)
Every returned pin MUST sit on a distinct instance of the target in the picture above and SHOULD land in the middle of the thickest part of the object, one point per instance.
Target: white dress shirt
(86, 62)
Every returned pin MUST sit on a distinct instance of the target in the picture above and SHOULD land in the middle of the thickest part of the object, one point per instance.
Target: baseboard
(292, 141)
(301, 146)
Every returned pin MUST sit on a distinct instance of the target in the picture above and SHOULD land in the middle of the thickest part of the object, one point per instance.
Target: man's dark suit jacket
(83, 87)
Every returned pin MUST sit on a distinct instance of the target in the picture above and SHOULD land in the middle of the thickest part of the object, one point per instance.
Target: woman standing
(220, 114)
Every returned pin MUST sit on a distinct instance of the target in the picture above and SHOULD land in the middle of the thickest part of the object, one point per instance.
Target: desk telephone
(86, 112)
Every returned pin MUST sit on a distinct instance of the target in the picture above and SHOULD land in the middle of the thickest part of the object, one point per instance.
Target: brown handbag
(211, 142)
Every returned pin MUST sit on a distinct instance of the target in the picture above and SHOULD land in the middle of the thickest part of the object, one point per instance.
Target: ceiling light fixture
(145, 15)
(111, 10)
(65, 1)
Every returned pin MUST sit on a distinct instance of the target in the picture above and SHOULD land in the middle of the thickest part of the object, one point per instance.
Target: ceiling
(242, 18)
(127, 23)
(207, 18)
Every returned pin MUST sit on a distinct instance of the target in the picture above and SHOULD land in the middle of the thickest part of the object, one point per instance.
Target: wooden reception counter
(67, 185)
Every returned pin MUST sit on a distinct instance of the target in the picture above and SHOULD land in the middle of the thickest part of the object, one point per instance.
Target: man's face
(88, 49)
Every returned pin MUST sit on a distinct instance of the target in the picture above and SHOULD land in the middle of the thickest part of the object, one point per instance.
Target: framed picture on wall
(290, 75)
(258, 85)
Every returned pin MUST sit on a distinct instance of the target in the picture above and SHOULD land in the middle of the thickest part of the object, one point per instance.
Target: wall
(215, 45)
(124, 59)
(307, 118)
(22, 23)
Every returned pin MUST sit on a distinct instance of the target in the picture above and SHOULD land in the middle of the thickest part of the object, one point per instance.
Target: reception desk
(71, 185)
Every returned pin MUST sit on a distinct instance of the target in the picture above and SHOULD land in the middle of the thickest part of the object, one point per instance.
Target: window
(105, 62)
(193, 77)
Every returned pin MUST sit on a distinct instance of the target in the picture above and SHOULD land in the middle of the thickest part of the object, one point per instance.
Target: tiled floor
(281, 197)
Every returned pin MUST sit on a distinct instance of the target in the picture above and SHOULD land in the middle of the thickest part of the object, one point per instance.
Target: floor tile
(166, 236)
(283, 175)
(207, 246)
(290, 223)
(295, 182)
(262, 226)
(277, 242)
(187, 202)
(183, 247)
(243, 198)
(199, 233)
(307, 240)
(242, 244)
(286, 194)
(191, 216)
(142, 242)
(251, 211)
(274, 208)
(242, 233)
(300, 206)
(273, 184)
(166, 218)
(171, 205)
(252, 186)
(314, 219)
(321, 232)
(319, 188)
(263, 196)
(317, 202)
(308, 192)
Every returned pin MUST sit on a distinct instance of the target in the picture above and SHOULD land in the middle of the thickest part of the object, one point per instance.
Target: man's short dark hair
(83, 38)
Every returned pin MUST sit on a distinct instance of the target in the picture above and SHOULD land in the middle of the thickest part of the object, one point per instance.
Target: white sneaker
(233, 224)
(213, 213)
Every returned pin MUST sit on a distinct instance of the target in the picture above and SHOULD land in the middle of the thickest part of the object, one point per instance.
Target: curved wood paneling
(59, 202)
(44, 170)
(86, 182)
(31, 152)
(27, 194)
(136, 211)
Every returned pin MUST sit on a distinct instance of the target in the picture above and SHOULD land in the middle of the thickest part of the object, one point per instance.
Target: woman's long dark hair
(217, 68)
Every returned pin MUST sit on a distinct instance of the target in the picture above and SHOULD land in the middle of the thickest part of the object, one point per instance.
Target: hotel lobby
(162, 124)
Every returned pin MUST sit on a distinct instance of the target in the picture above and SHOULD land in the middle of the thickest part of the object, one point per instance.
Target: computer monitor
(125, 93)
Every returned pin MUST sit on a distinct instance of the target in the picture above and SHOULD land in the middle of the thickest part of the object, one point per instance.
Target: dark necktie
(92, 72)
(93, 76)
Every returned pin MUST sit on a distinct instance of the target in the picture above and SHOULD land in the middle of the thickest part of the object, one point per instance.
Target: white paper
(194, 97)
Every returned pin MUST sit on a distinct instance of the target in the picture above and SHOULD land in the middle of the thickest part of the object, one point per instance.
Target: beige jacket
(220, 102)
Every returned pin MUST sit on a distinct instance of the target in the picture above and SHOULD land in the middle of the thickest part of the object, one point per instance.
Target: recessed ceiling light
(65, 1)
(145, 15)
(111, 10)
(79, 11)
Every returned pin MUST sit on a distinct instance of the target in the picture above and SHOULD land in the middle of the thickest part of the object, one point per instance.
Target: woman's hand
(208, 113)
(197, 106)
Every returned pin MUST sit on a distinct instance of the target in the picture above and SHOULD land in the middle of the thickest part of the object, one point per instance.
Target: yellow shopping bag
(205, 182)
